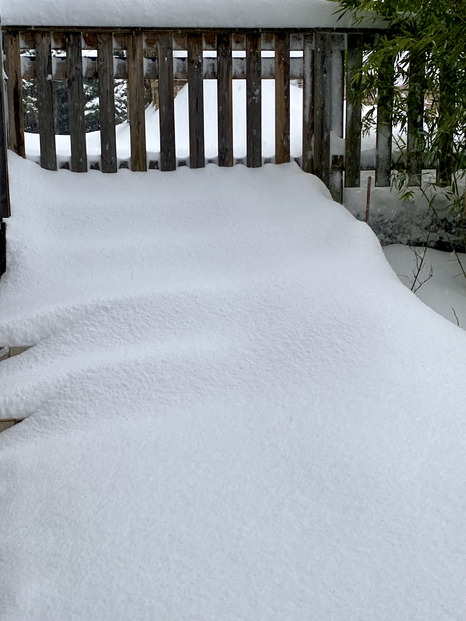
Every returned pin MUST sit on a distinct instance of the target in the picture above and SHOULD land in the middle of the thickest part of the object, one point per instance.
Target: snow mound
(235, 409)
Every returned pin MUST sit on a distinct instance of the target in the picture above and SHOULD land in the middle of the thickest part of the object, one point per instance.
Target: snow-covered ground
(234, 409)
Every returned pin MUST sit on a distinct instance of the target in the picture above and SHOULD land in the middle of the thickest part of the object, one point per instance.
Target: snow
(235, 410)
(176, 13)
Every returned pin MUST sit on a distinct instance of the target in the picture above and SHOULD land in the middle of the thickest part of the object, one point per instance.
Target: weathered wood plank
(196, 101)
(45, 101)
(282, 97)
(14, 86)
(108, 155)
(2, 247)
(136, 110)
(307, 163)
(166, 102)
(415, 114)
(322, 111)
(4, 186)
(353, 112)
(74, 70)
(383, 159)
(253, 101)
(225, 100)
(337, 107)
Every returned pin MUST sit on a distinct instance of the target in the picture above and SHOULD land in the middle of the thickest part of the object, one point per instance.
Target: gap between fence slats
(224, 100)
(196, 101)
(45, 101)
(14, 86)
(415, 114)
(282, 98)
(106, 103)
(76, 102)
(253, 101)
(136, 111)
(337, 106)
(166, 102)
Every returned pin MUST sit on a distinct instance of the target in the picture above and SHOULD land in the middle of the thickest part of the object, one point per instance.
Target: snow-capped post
(5, 211)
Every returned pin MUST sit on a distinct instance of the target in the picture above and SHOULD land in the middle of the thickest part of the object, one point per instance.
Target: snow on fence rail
(324, 61)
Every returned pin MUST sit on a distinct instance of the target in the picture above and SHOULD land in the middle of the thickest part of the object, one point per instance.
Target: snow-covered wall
(176, 13)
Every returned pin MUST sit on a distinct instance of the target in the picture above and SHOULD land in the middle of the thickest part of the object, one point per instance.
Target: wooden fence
(324, 61)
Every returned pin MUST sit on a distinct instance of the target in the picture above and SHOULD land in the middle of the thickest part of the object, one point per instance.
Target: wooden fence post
(166, 101)
(282, 97)
(225, 99)
(15, 95)
(322, 111)
(5, 211)
(196, 100)
(106, 103)
(353, 112)
(74, 72)
(307, 162)
(45, 101)
(136, 101)
(253, 100)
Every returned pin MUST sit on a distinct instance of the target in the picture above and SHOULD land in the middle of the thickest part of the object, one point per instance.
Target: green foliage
(425, 43)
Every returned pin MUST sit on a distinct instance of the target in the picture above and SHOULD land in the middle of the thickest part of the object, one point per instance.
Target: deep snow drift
(235, 409)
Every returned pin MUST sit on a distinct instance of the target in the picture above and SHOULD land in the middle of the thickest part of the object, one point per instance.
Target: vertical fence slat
(4, 188)
(15, 95)
(224, 99)
(74, 73)
(166, 102)
(45, 101)
(307, 163)
(383, 159)
(196, 101)
(282, 98)
(337, 105)
(353, 112)
(322, 111)
(137, 117)
(106, 103)
(253, 100)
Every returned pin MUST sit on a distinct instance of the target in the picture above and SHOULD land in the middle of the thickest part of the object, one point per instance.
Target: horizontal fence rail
(324, 64)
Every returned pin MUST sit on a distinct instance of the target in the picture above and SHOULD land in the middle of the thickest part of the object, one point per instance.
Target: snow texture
(235, 410)
(176, 13)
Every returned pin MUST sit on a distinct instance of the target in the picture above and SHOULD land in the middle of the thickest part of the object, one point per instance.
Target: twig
(368, 199)
(456, 317)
